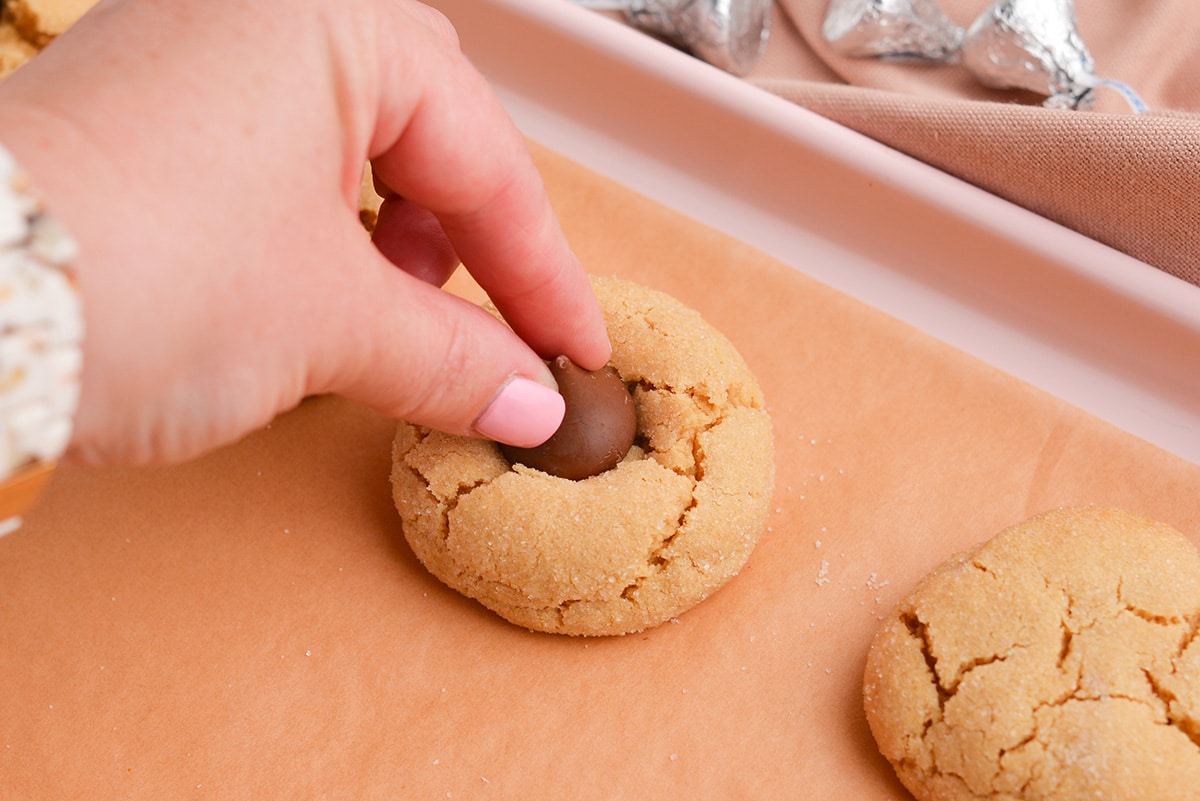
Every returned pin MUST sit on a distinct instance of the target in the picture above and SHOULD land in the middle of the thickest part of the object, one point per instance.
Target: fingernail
(524, 413)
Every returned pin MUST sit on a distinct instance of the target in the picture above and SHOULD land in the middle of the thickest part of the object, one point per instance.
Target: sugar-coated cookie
(26, 26)
(1058, 660)
(369, 200)
(14, 50)
(40, 21)
(633, 546)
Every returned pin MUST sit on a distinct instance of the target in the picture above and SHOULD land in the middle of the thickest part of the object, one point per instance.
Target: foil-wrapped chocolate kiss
(892, 29)
(730, 34)
(1014, 44)
(1035, 45)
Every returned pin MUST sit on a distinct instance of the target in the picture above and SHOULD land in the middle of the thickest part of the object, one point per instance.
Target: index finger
(446, 144)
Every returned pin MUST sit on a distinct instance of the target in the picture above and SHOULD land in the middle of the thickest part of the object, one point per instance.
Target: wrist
(41, 330)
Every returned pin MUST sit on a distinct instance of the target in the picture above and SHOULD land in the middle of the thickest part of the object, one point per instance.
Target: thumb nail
(523, 413)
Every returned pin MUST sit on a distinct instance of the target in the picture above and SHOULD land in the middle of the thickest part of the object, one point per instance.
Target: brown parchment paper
(252, 624)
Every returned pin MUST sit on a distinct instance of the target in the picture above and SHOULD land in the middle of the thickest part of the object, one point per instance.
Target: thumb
(415, 352)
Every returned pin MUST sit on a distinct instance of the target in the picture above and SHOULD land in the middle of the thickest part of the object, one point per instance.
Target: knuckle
(442, 396)
(439, 24)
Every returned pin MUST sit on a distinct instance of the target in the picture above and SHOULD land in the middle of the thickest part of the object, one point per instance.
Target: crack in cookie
(1057, 660)
(631, 547)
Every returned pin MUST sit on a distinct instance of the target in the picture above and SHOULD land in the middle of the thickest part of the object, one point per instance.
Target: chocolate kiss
(597, 430)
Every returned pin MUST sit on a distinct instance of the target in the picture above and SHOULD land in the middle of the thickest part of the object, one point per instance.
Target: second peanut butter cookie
(1059, 660)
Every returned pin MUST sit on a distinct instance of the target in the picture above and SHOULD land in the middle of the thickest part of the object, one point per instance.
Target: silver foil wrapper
(893, 29)
(730, 34)
(1033, 45)
(1014, 44)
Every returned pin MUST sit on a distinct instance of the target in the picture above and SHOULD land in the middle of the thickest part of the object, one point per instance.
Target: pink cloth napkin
(1129, 180)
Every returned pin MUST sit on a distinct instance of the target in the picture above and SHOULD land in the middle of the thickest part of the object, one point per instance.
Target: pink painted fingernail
(524, 413)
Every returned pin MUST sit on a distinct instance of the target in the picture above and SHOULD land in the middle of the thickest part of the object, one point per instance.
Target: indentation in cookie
(1058, 660)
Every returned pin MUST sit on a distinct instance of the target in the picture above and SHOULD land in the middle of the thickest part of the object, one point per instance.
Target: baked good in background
(39, 21)
(14, 49)
(26, 26)
(369, 201)
(631, 547)
(1059, 660)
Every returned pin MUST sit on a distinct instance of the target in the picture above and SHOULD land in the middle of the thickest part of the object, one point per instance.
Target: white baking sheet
(1101, 330)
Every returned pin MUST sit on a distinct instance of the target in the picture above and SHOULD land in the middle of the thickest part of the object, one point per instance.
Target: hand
(207, 157)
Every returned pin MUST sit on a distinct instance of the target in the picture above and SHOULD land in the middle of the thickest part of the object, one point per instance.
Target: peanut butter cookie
(14, 50)
(1057, 661)
(40, 21)
(633, 546)
(27, 26)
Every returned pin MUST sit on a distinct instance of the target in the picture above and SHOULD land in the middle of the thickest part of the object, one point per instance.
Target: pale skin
(207, 159)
